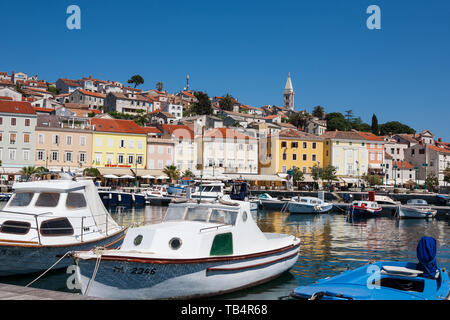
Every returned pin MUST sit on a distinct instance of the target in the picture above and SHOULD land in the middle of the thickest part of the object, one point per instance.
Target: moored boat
(415, 208)
(44, 220)
(199, 249)
(364, 208)
(269, 202)
(386, 280)
(308, 205)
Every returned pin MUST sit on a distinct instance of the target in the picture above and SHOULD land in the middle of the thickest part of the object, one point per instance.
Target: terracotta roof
(70, 82)
(93, 94)
(39, 109)
(272, 116)
(403, 164)
(16, 107)
(294, 133)
(124, 96)
(6, 98)
(438, 149)
(226, 133)
(345, 135)
(370, 136)
(116, 126)
(167, 114)
(151, 130)
(387, 156)
(408, 137)
(178, 130)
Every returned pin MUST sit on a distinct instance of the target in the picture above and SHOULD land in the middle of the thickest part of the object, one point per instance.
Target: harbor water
(330, 244)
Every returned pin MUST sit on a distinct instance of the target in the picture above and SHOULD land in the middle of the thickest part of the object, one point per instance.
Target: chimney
(439, 139)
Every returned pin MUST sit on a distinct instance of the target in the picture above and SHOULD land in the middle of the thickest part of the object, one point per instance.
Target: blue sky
(247, 47)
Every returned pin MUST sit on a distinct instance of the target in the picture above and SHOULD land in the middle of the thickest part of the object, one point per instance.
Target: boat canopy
(426, 254)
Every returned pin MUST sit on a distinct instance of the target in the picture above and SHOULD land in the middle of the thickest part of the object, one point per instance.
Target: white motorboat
(364, 208)
(156, 192)
(209, 190)
(308, 205)
(385, 200)
(201, 248)
(416, 208)
(269, 202)
(44, 220)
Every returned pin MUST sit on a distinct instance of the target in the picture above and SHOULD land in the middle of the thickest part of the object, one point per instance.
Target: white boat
(416, 208)
(308, 205)
(385, 200)
(44, 220)
(200, 249)
(269, 202)
(156, 192)
(213, 190)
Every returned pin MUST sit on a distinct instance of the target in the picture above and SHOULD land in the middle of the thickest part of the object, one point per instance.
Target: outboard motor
(426, 254)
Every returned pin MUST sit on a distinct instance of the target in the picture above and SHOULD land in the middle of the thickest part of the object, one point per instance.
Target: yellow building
(118, 146)
(293, 148)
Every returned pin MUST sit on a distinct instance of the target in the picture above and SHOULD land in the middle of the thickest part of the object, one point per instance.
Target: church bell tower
(288, 94)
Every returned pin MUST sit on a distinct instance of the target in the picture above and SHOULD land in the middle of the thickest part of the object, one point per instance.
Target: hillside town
(76, 125)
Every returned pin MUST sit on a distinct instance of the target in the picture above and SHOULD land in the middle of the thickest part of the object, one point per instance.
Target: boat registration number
(136, 270)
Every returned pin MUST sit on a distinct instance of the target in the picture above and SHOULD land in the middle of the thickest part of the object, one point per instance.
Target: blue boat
(443, 199)
(386, 280)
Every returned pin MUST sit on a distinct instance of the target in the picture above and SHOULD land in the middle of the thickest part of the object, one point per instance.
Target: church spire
(288, 93)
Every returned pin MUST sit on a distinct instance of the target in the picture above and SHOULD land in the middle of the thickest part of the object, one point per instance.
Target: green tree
(188, 174)
(299, 119)
(137, 80)
(329, 173)
(349, 115)
(172, 172)
(396, 128)
(91, 172)
(28, 171)
(316, 172)
(159, 86)
(375, 128)
(227, 102)
(432, 182)
(372, 179)
(447, 175)
(297, 175)
(318, 112)
(52, 89)
(337, 121)
(203, 104)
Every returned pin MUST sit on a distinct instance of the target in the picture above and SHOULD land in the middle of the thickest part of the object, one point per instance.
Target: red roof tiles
(117, 126)
(16, 107)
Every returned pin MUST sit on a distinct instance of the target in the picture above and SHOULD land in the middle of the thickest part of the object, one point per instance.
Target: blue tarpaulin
(426, 254)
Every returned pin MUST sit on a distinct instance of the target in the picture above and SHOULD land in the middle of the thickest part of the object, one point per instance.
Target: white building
(174, 109)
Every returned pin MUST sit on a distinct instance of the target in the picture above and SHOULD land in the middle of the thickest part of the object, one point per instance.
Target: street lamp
(395, 177)
(416, 168)
(425, 165)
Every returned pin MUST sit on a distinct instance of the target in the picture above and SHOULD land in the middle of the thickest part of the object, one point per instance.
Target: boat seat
(400, 271)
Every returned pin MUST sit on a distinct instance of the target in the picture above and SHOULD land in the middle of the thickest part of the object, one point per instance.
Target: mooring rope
(94, 274)
(48, 269)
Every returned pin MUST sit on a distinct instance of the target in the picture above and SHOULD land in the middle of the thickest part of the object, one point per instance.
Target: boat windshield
(211, 189)
(202, 214)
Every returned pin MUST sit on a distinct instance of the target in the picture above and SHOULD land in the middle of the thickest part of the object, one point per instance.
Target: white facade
(8, 92)
(174, 109)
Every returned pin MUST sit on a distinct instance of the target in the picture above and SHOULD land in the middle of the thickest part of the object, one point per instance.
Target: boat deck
(12, 292)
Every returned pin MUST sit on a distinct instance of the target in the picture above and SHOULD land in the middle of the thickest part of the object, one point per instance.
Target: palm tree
(28, 171)
(91, 172)
(137, 80)
(159, 86)
(188, 173)
(172, 172)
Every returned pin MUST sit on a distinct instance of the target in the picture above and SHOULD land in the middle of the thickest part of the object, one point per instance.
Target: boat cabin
(309, 201)
(54, 211)
(191, 230)
(366, 204)
(417, 202)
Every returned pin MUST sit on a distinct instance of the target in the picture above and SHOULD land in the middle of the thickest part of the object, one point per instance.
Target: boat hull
(272, 204)
(172, 279)
(364, 212)
(297, 207)
(370, 283)
(31, 258)
(415, 213)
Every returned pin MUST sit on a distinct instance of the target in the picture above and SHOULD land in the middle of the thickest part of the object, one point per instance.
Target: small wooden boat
(386, 280)
(44, 220)
(386, 200)
(308, 205)
(200, 249)
(415, 209)
(364, 209)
